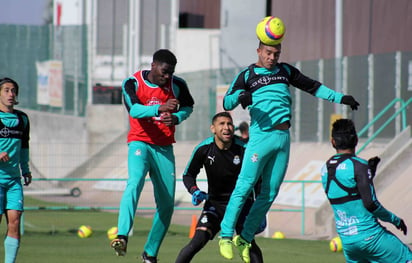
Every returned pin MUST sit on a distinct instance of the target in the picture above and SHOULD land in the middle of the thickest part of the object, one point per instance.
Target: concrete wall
(197, 49)
(59, 143)
(237, 24)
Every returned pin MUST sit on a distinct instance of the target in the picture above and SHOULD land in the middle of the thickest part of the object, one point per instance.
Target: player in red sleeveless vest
(156, 101)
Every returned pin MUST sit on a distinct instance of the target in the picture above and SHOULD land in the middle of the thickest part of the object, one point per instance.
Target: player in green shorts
(263, 88)
(14, 163)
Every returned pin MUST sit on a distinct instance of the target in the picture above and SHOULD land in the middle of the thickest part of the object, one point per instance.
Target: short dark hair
(263, 44)
(165, 56)
(222, 114)
(344, 134)
(9, 80)
(243, 127)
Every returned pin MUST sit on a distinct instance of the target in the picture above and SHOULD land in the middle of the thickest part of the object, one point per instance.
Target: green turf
(50, 236)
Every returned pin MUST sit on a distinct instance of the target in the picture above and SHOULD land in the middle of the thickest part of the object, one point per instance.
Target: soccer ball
(270, 30)
(112, 233)
(278, 235)
(335, 244)
(84, 231)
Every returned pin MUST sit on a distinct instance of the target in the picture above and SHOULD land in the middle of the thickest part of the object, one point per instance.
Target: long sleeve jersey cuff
(24, 161)
(325, 93)
(232, 100)
(183, 114)
(383, 214)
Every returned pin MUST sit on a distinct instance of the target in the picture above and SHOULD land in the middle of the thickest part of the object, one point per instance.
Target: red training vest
(150, 129)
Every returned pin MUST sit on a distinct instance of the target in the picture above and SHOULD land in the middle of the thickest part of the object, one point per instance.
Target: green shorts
(11, 195)
(382, 248)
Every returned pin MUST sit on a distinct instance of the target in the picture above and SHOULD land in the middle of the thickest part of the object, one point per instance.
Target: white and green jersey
(14, 139)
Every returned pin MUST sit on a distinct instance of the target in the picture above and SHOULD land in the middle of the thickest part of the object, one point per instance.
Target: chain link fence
(374, 80)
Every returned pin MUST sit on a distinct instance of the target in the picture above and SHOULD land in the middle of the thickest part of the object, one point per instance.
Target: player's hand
(245, 99)
(168, 119)
(198, 197)
(373, 164)
(170, 105)
(4, 157)
(349, 100)
(402, 227)
(27, 178)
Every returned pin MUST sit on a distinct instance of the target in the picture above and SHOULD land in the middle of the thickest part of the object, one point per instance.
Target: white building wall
(197, 49)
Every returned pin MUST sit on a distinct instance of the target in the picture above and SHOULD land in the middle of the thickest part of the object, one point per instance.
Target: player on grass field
(348, 183)
(263, 88)
(14, 163)
(221, 156)
(156, 101)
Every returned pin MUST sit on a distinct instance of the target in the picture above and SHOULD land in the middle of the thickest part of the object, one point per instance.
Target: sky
(22, 12)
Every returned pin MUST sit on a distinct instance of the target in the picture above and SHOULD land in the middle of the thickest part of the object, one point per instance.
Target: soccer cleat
(243, 246)
(119, 245)
(225, 247)
(148, 259)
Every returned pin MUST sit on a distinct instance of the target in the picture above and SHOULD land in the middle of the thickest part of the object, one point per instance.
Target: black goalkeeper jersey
(222, 168)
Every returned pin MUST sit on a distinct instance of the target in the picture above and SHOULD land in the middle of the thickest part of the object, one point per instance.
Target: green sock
(11, 246)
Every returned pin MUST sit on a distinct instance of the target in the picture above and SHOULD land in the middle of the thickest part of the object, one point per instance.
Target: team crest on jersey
(254, 158)
(236, 160)
(204, 219)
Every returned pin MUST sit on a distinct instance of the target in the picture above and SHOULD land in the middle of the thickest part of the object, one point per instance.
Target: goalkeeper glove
(373, 164)
(402, 227)
(198, 197)
(245, 99)
(349, 100)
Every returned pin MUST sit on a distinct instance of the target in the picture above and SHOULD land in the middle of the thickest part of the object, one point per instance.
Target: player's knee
(200, 239)
(166, 209)
(13, 227)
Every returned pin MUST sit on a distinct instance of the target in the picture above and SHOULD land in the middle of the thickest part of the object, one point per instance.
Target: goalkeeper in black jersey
(221, 156)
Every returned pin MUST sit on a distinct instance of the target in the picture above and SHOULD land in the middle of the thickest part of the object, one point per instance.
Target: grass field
(50, 236)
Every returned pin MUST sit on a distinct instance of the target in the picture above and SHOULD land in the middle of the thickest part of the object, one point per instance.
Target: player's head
(163, 67)
(344, 134)
(244, 129)
(224, 114)
(9, 85)
(268, 56)
(222, 127)
(165, 56)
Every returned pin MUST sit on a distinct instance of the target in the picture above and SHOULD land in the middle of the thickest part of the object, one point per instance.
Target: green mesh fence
(22, 46)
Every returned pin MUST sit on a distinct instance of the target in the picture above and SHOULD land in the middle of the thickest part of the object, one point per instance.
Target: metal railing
(301, 209)
(401, 110)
